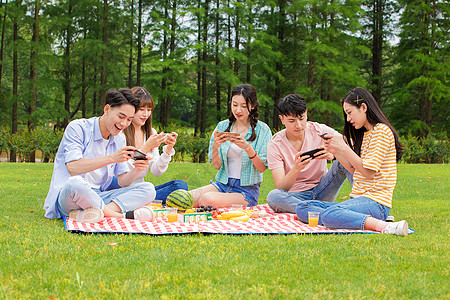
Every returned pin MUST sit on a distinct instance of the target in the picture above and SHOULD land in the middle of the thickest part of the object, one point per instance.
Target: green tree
(421, 103)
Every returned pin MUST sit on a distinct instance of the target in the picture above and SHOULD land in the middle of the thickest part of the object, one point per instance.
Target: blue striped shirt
(249, 174)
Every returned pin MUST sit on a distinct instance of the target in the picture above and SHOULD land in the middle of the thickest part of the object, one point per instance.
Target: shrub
(47, 141)
(434, 148)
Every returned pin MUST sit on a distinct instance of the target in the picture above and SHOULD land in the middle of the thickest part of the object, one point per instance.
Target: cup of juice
(156, 204)
(237, 206)
(313, 218)
(172, 214)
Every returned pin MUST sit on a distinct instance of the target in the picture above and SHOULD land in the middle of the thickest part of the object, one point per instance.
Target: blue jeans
(78, 194)
(349, 214)
(326, 190)
(250, 192)
(162, 190)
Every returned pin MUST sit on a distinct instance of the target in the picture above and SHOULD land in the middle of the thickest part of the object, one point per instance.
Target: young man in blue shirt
(90, 153)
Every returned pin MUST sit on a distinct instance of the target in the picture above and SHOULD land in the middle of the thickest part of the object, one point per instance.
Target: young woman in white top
(141, 135)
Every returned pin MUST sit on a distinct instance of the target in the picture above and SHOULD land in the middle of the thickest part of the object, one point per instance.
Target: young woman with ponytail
(240, 159)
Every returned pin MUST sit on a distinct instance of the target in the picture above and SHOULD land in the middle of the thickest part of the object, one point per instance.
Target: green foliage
(47, 141)
(23, 142)
(434, 148)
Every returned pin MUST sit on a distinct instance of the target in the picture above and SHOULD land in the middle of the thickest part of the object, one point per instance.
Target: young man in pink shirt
(300, 178)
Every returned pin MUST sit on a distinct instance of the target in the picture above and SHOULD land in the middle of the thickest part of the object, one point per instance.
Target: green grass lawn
(39, 259)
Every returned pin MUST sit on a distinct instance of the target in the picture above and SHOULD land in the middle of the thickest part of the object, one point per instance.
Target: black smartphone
(311, 153)
(138, 155)
(323, 136)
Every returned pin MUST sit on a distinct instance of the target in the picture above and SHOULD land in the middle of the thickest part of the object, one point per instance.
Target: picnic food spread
(208, 213)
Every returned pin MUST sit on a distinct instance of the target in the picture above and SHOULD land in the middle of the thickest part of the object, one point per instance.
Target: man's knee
(275, 196)
(148, 191)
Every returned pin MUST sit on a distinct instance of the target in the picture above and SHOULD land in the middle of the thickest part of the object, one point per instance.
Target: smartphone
(323, 136)
(311, 153)
(138, 155)
(170, 134)
(230, 134)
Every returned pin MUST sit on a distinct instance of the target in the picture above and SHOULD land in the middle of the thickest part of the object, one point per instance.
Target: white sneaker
(144, 213)
(390, 219)
(88, 215)
(398, 228)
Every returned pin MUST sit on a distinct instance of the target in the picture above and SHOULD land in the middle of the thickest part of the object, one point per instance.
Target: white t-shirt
(97, 177)
(234, 156)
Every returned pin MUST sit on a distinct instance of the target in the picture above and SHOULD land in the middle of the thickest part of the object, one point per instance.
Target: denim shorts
(250, 192)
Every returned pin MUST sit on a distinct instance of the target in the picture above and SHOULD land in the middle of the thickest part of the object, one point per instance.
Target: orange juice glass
(172, 215)
(313, 218)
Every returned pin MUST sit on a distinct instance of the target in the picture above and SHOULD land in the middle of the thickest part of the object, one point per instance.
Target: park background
(58, 59)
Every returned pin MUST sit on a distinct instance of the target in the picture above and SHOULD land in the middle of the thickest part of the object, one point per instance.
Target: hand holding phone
(229, 135)
(324, 136)
(138, 155)
(311, 153)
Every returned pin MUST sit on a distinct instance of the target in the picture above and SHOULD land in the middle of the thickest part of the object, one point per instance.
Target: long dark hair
(353, 136)
(145, 100)
(251, 99)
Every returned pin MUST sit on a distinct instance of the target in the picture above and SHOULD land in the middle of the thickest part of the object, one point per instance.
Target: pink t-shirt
(281, 154)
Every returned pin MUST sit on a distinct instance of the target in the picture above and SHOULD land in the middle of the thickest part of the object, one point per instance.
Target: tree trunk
(279, 65)
(33, 75)
(67, 72)
(12, 155)
(171, 56)
(377, 48)
(83, 84)
(217, 59)
(139, 47)
(230, 45)
(236, 40)
(199, 77)
(2, 47)
(130, 62)
(163, 115)
(204, 87)
(104, 55)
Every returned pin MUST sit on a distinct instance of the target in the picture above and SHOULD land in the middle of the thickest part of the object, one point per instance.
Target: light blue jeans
(77, 194)
(162, 190)
(349, 214)
(326, 190)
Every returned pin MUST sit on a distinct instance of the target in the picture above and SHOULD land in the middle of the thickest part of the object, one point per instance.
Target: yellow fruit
(231, 214)
(244, 218)
(249, 211)
(219, 217)
(189, 211)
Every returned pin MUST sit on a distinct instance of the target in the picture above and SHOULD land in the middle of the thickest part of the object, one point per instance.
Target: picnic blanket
(272, 223)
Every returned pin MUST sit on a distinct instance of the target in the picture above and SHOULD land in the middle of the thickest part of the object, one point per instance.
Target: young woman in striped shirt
(369, 150)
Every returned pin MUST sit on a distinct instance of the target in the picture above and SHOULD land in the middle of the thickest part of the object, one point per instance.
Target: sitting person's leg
(353, 213)
(219, 195)
(163, 190)
(78, 201)
(304, 207)
(286, 202)
(129, 198)
(77, 194)
(330, 183)
(220, 200)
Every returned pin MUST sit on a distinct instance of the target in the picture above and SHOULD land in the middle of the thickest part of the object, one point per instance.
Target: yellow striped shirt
(378, 153)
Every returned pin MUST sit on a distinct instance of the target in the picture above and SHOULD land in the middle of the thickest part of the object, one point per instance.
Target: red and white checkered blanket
(272, 223)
